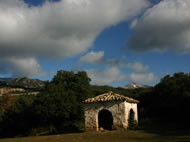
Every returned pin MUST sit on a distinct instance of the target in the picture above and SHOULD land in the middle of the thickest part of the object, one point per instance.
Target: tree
(78, 83)
(60, 105)
(169, 101)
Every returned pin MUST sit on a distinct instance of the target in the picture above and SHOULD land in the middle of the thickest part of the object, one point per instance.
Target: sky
(115, 42)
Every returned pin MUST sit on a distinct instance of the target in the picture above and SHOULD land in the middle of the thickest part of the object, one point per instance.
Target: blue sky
(115, 42)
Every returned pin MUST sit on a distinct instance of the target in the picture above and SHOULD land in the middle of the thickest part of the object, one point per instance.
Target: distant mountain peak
(134, 86)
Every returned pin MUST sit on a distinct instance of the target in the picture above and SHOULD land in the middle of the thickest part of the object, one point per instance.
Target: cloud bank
(138, 67)
(111, 71)
(106, 76)
(142, 78)
(165, 26)
(57, 30)
(20, 67)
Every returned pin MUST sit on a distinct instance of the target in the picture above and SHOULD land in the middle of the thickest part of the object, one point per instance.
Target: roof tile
(106, 97)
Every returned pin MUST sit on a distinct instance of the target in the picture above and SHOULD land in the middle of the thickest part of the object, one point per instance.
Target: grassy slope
(113, 136)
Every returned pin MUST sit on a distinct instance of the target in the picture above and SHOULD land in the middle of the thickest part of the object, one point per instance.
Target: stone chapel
(110, 111)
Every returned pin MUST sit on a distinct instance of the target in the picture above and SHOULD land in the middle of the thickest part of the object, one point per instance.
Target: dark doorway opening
(131, 115)
(105, 120)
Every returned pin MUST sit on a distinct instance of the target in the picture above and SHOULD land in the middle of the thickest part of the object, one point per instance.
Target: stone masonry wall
(120, 111)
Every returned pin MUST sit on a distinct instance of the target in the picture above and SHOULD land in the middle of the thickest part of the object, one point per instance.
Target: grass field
(107, 136)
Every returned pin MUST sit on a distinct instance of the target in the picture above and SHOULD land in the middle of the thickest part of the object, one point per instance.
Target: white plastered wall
(128, 107)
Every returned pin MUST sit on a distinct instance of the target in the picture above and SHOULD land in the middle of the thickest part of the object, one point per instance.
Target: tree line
(59, 107)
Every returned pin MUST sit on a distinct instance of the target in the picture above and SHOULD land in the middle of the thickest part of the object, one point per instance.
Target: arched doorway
(132, 121)
(105, 120)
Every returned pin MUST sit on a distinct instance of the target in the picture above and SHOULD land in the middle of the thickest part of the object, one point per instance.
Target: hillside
(22, 82)
(7, 90)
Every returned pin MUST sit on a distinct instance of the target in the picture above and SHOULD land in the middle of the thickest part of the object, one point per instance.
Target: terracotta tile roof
(110, 97)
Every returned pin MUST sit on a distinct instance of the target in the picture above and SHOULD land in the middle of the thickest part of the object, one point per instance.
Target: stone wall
(120, 113)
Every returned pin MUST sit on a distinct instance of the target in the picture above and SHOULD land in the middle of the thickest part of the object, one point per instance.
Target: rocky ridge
(22, 82)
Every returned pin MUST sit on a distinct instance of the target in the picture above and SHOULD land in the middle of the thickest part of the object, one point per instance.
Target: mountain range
(22, 82)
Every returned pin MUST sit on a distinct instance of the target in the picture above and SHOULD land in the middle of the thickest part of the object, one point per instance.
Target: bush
(17, 119)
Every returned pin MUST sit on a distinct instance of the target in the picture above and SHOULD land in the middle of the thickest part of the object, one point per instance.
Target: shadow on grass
(166, 130)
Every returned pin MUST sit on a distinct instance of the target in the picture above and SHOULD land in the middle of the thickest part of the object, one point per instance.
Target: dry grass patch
(107, 136)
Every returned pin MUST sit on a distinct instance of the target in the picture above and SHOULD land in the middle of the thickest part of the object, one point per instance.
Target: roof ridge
(110, 96)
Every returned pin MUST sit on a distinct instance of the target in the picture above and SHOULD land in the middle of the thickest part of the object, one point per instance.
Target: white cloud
(62, 29)
(27, 66)
(111, 73)
(162, 27)
(143, 77)
(93, 57)
(106, 76)
(138, 67)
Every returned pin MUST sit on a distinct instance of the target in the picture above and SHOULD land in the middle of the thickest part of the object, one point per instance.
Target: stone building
(110, 111)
